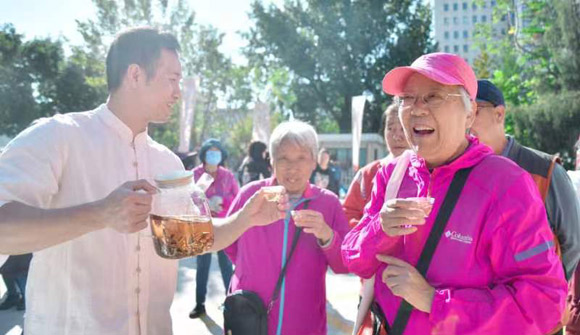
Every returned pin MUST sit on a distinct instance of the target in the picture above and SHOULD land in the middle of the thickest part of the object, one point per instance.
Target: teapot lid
(174, 179)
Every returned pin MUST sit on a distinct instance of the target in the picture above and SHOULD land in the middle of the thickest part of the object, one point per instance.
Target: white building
(455, 21)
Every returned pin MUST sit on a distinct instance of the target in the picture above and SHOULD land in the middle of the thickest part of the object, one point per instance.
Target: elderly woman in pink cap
(480, 258)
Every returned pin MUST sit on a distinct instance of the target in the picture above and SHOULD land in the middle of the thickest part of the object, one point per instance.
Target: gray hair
(465, 98)
(296, 132)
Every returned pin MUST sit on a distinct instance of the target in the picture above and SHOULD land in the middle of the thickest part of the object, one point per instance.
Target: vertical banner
(187, 113)
(261, 125)
(358, 107)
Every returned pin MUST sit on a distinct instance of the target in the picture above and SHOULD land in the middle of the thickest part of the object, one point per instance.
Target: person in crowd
(15, 273)
(359, 192)
(495, 269)
(220, 195)
(555, 187)
(258, 253)
(326, 175)
(573, 325)
(255, 166)
(76, 190)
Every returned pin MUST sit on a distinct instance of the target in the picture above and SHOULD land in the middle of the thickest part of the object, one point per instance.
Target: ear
(499, 114)
(471, 115)
(134, 76)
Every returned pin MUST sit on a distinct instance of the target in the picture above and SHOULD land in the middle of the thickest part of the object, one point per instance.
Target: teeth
(423, 128)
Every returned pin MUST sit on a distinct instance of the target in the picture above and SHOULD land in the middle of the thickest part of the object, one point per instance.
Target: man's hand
(313, 223)
(400, 216)
(406, 282)
(127, 208)
(258, 211)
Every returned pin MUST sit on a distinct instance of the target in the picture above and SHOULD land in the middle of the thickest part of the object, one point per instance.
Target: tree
(223, 90)
(551, 124)
(37, 81)
(334, 50)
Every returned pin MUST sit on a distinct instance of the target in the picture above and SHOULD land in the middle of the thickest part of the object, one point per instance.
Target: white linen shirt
(104, 282)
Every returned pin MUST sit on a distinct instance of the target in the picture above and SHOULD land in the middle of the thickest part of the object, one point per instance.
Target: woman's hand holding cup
(402, 216)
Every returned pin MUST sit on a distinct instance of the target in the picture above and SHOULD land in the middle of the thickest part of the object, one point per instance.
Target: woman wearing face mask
(220, 195)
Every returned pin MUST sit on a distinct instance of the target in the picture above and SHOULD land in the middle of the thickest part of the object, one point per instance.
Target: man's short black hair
(141, 46)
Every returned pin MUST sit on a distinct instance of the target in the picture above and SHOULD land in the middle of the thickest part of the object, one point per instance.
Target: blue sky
(42, 18)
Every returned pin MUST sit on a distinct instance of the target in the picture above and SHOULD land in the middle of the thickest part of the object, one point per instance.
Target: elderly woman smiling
(258, 253)
(494, 270)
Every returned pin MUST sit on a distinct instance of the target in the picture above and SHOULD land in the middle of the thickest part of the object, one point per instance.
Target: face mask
(213, 157)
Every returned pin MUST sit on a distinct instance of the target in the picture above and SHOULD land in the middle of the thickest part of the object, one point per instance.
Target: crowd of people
(459, 230)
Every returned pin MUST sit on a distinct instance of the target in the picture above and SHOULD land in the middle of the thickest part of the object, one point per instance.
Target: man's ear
(134, 76)
(499, 114)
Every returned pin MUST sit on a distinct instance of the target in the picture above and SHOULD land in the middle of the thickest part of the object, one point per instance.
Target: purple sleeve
(367, 239)
(237, 203)
(232, 190)
(530, 289)
(340, 227)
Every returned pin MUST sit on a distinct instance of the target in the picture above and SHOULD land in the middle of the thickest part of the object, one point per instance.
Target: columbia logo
(453, 235)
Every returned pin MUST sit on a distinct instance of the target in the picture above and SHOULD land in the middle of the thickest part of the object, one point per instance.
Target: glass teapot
(180, 218)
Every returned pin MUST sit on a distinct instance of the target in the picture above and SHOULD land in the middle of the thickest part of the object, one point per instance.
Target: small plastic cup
(273, 193)
(424, 203)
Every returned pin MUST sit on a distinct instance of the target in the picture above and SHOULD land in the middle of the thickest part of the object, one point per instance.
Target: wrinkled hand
(406, 282)
(258, 211)
(400, 216)
(313, 223)
(127, 208)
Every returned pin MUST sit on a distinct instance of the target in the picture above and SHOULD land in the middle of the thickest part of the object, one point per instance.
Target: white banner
(187, 113)
(261, 125)
(358, 107)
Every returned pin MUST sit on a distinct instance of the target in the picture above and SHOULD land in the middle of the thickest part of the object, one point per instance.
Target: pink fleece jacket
(495, 269)
(257, 255)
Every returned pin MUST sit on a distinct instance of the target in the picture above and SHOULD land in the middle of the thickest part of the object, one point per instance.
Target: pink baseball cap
(444, 68)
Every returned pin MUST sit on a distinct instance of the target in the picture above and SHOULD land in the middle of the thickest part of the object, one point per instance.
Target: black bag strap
(276, 293)
(443, 215)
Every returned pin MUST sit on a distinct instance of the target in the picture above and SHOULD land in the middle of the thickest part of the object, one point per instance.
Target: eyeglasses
(431, 99)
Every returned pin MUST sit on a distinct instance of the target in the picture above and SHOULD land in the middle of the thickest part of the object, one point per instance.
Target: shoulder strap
(283, 271)
(443, 215)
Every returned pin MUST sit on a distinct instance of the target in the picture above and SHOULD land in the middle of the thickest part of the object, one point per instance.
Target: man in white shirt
(76, 190)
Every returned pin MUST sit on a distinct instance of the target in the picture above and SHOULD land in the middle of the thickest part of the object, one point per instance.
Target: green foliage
(334, 50)
(551, 124)
(537, 67)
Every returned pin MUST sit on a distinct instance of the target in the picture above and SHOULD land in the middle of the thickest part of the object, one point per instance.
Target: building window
(455, 6)
(465, 6)
(484, 4)
(474, 19)
(483, 18)
(473, 6)
(465, 48)
(446, 7)
(446, 34)
(456, 34)
(456, 20)
(446, 21)
(465, 34)
(446, 48)
(493, 3)
(456, 48)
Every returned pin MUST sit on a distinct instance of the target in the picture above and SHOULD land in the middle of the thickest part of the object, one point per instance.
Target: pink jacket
(225, 185)
(257, 255)
(495, 269)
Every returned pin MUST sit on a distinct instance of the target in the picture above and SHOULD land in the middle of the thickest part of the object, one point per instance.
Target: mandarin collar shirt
(104, 282)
